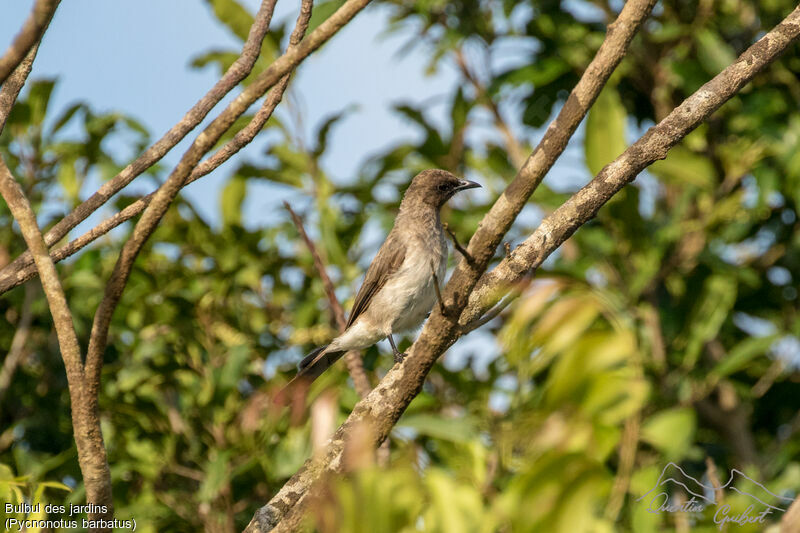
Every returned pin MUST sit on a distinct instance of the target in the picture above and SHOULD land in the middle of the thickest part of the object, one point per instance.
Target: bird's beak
(463, 185)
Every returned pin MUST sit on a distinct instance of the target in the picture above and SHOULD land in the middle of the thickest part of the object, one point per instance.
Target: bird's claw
(399, 357)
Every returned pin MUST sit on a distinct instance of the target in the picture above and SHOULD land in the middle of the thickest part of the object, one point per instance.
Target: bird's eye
(444, 187)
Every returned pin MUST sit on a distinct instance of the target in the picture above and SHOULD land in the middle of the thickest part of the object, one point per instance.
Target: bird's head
(434, 187)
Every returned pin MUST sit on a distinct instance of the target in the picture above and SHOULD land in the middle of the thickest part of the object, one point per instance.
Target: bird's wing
(386, 262)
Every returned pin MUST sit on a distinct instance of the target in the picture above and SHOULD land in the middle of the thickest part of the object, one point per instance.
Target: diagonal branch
(13, 84)
(384, 405)
(355, 366)
(14, 273)
(28, 37)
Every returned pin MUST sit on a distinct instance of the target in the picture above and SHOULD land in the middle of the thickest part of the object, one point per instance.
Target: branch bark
(386, 403)
(85, 419)
(791, 519)
(31, 33)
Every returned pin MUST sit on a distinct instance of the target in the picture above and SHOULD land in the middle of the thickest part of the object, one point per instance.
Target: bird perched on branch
(401, 284)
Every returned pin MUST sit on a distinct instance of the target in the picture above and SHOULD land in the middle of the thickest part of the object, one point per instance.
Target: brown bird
(399, 288)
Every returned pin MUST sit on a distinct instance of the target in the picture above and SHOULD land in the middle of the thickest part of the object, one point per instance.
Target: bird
(401, 284)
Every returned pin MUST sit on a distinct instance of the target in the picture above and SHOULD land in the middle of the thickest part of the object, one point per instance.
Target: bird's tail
(317, 362)
(309, 369)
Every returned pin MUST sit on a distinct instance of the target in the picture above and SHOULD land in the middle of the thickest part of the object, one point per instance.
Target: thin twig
(493, 313)
(330, 291)
(355, 365)
(438, 290)
(627, 459)
(457, 245)
(713, 477)
(31, 33)
(16, 352)
(515, 150)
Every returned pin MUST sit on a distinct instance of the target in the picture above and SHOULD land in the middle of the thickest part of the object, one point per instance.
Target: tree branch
(85, 419)
(383, 406)
(16, 272)
(13, 84)
(791, 519)
(28, 37)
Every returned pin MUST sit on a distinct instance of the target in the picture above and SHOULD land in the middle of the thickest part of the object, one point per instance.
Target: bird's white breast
(409, 296)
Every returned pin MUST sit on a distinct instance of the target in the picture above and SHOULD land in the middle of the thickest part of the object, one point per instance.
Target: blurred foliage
(666, 330)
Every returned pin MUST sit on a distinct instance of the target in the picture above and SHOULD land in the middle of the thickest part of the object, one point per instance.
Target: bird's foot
(399, 357)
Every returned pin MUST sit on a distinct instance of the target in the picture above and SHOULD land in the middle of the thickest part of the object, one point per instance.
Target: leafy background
(666, 330)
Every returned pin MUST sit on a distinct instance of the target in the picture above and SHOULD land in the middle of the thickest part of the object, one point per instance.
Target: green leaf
(539, 73)
(39, 99)
(222, 58)
(322, 11)
(233, 370)
(459, 111)
(682, 166)
(713, 53)
(324, 131)
(231, 201)
(235, 17)
(68, 179)
(670, 431)
(66, 116)
(708, 315)
(450, 429)
(741, 354)
(605, 130)
(216, 476)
